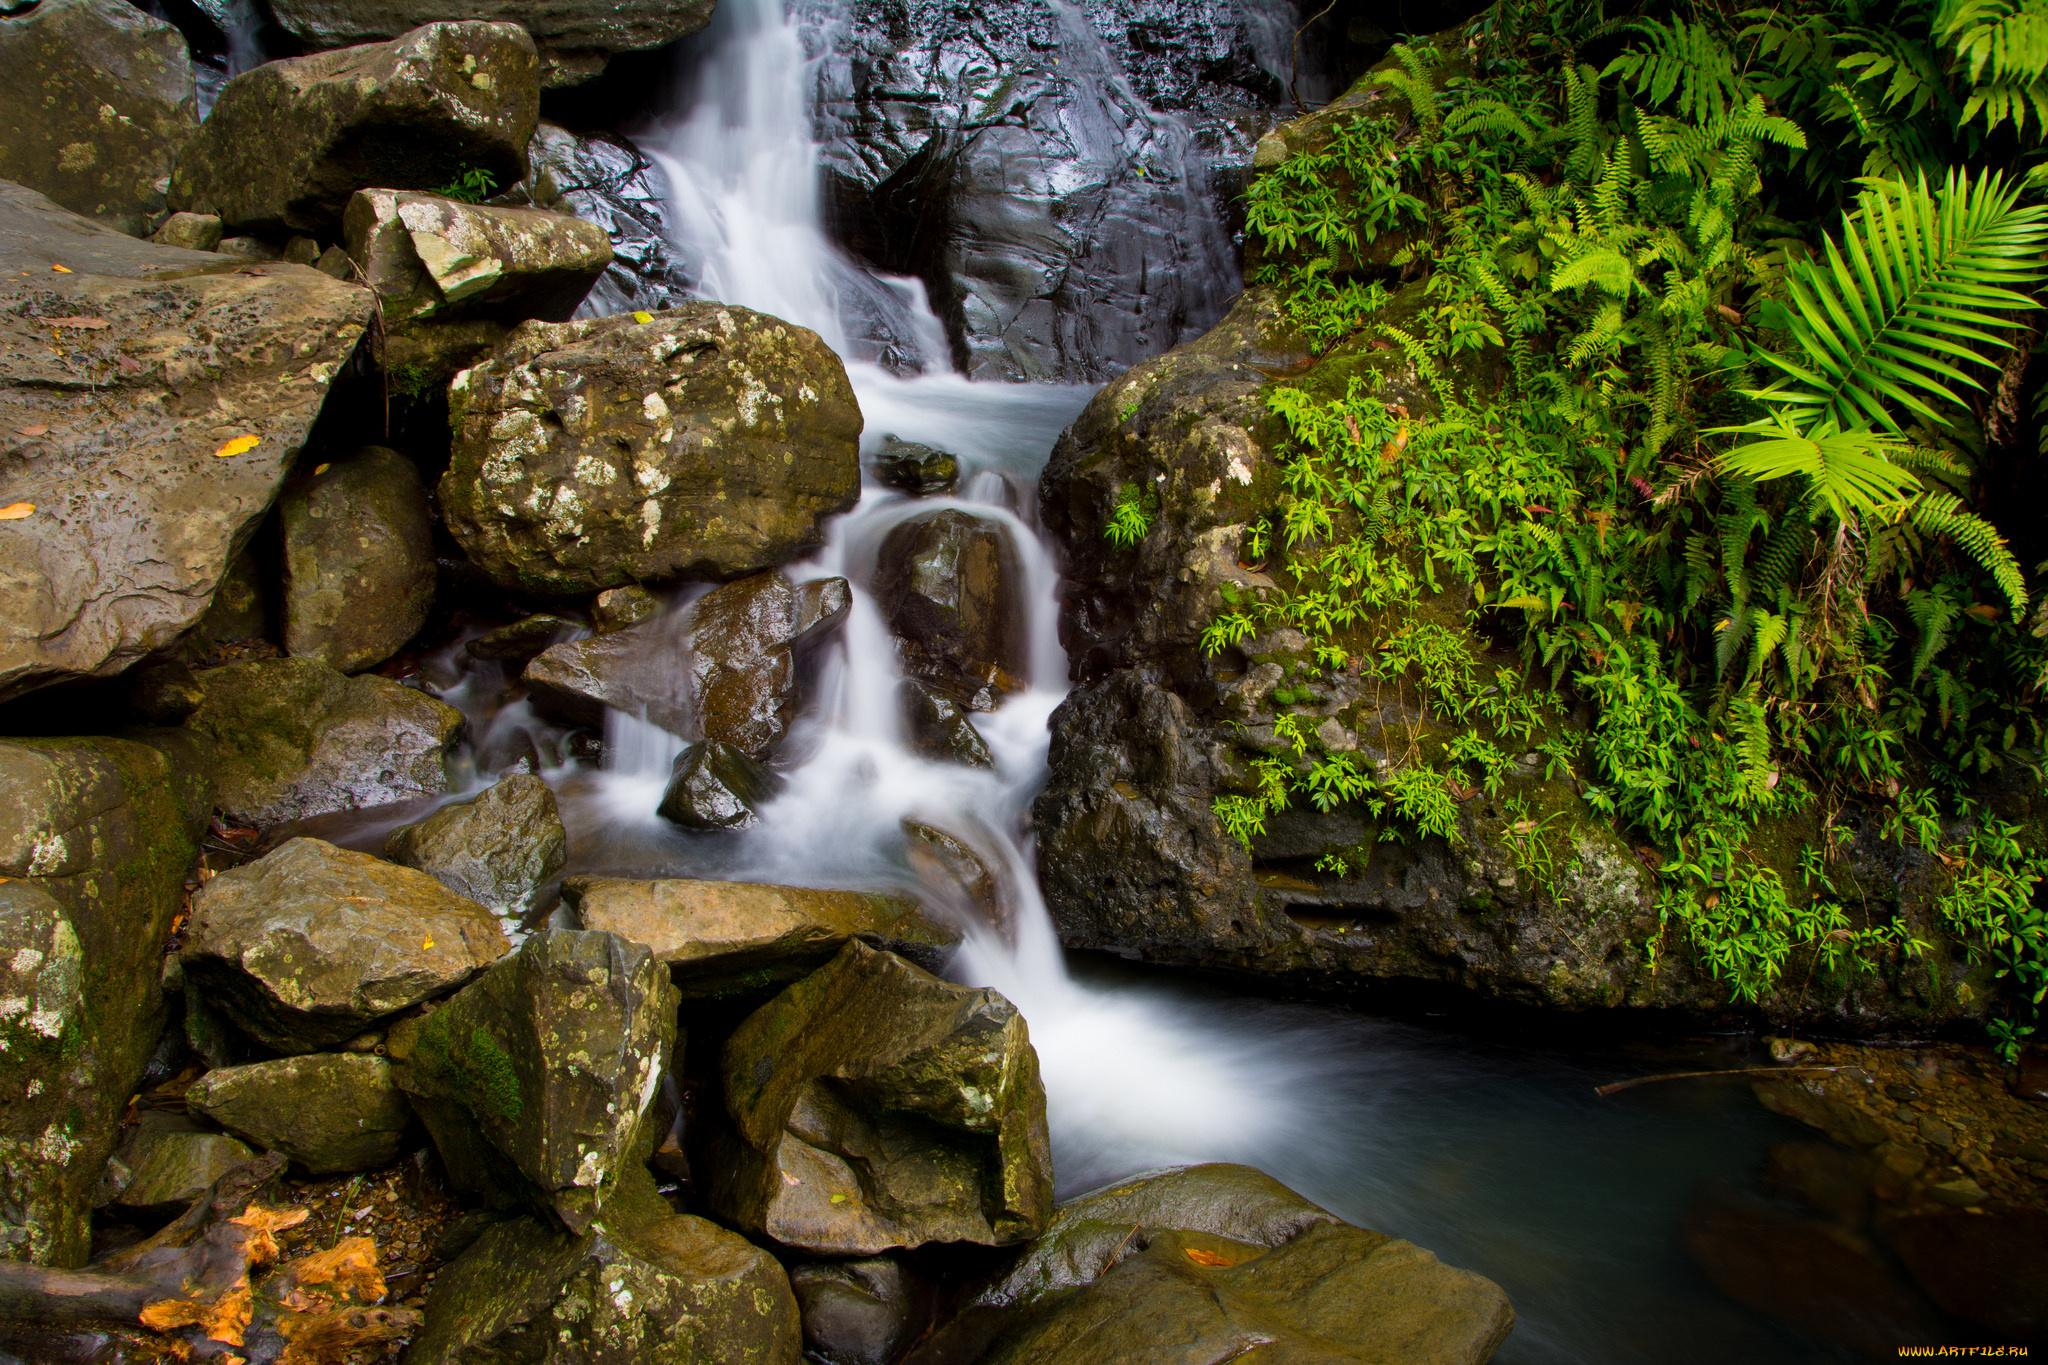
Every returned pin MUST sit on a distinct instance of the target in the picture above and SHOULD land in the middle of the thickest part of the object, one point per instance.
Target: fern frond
(1942, 514)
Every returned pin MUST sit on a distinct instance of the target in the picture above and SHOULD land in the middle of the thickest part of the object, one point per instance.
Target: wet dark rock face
(1033, 165)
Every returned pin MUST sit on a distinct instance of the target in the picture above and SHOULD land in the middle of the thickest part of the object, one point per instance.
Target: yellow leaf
(643, 317)
(1201, 1257)
(1524, 600)
(15, 511)
(61, 269)
(320, 469)
(839, 1199)
(238, 446)
(428, 944)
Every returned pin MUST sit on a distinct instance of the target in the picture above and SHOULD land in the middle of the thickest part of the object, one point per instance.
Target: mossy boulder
(330, 1112)
(877, 1106)
(96, 836)
(166, 1163)
(290, 142)
(535, 1081)
(707, 442)
(644, 1286)
(498, 848)
(433, 258)
(143, 486)
(358, 559)
(100, 100)
(296, 738)
(310, 945)
(723, 937)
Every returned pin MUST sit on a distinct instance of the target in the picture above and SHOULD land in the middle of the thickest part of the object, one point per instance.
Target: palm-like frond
(1850, 470)
(1904, 301)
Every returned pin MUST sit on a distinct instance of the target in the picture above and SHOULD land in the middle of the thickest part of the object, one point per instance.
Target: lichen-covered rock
(877, 1106)
(535, 1080)
(99, 100)
(330, 1112)
(358, 559)
(707, 442)
(192, 231)
(311, 944)
(431, 258)
(289, 142)
(949, 585)
(618, 608)
(297, 738)
(715, 786)
(96, 836)
(724, 938)
(668, 1289)
(575, 38)
(497, 848)
(171, 357)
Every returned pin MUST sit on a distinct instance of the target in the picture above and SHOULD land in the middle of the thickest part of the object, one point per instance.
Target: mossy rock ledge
(1135, 861)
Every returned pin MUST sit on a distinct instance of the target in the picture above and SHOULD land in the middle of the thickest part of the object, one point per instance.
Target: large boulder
(430, 258)
(310, 945)
(877, 1106)
(722, 938)
(575, 38)
(165, 1163)
(96, 836)
(497, 848)
(949, 585)
(297, 738)
(603, 178)
(358, 559)
(100, 101)
(330, 1112)
(127, 436)
(289, 142)
(661, 1289)
(1170, 1256)
(535, 1081)
(706, 442)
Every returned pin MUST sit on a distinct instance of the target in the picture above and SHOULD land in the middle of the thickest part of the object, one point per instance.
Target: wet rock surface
(948, 584)
(733, 937)
(743, 640)
(876, 1106)
(136, 519)
(96, 836)
(535, 1080)
(707, 442)
(605, 180)
(432, 258)
(295, 738)
(100, 100)
(919, 470)
(716, 786)
(939, 726)
(290, 142)
(329, 1112)
(312, 944)
(859, 1312)
(358, 558)
(498, 848)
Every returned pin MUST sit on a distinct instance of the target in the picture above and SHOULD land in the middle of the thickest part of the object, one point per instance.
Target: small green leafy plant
(473, 186)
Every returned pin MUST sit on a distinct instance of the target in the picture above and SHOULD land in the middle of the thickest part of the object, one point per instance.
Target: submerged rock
(663, 1289)
(99, 100)
(575, 38)
(918, 470)
(289, 142)
(328, 1112)
(296, 738)
(311, 944)
(174, 356)
(430, 258)
(535, 1080)
(497, 848)
(723, 938)
(949, 585)
(707, 442)
(715, 786)
(358, 560)
(877, 1106)
(96, 836)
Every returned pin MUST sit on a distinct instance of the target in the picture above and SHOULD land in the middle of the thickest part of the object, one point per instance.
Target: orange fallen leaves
(38, 430)
(60, 269)
(1208, 1258)
(349, 1266)
(15, 511)
(240, 445)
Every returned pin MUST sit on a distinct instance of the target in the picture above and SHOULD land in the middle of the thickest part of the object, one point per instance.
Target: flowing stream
(1499, 1159)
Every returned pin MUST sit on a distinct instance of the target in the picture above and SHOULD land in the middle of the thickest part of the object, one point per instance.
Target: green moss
(474, 1071)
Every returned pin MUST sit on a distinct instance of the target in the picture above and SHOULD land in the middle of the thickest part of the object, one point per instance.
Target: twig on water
(1616, 1087)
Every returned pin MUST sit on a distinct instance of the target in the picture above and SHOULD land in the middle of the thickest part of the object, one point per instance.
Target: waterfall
(1130, 1082)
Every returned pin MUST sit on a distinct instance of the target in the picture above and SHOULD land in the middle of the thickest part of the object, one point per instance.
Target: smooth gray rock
(289, 142)
(137, 518)
(708, 442)
(858, 1312)
(535, 1081)
(98, 101)
(497, 848)
(950, 587)
(330, 1112)
(310, 945)
(296, 738)
(358, 559)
